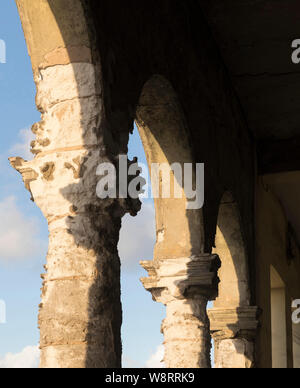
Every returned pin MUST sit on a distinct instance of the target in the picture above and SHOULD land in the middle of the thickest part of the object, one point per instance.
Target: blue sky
(23, 230)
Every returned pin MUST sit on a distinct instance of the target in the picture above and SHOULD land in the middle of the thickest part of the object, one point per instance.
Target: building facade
(208, 82)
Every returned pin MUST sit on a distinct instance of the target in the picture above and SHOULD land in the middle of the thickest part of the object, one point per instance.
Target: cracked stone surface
(81, 291)
(185, 285)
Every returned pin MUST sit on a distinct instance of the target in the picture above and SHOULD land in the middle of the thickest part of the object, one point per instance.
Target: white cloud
(22, 148)
(156, 360)
(28, 358)
(138, 237)
(128, 362)
(19, 236)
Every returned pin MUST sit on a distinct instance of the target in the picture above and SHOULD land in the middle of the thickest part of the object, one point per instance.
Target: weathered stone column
(234, 331)
(80, 314)
(185, 285)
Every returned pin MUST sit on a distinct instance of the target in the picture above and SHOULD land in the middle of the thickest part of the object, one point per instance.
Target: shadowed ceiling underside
(255, 38)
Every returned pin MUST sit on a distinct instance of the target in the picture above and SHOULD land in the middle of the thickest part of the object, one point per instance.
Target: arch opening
(140, 314)
(233, 320)
(234, 290)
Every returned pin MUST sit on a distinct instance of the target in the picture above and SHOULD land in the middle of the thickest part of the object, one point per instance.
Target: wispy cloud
(22, 147)
(128, 362)
(156, 360)
(19, 235)
(27, 358)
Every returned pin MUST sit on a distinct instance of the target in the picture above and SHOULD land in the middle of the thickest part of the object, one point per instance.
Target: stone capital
(182, 278)
(229, 323)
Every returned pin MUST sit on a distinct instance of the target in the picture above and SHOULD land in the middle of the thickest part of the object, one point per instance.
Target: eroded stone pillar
(184, 286)
(234, 331)
(80, 314)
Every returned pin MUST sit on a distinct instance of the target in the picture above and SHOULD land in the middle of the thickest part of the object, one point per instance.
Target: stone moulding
(28, 174)
(184, 285)
(234, 331)
(230, 322)
(181, 277)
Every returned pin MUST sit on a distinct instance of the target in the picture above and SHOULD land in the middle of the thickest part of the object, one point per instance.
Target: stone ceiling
(255, 37)
(255, 40)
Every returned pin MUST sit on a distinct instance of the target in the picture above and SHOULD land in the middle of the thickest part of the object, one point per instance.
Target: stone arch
(56, 33)
(233, 319)
(165, 137)
(181, 275)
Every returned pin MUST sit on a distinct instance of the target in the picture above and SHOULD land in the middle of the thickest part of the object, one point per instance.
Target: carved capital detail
(229, 323)
(182, 278)
(24, 168)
